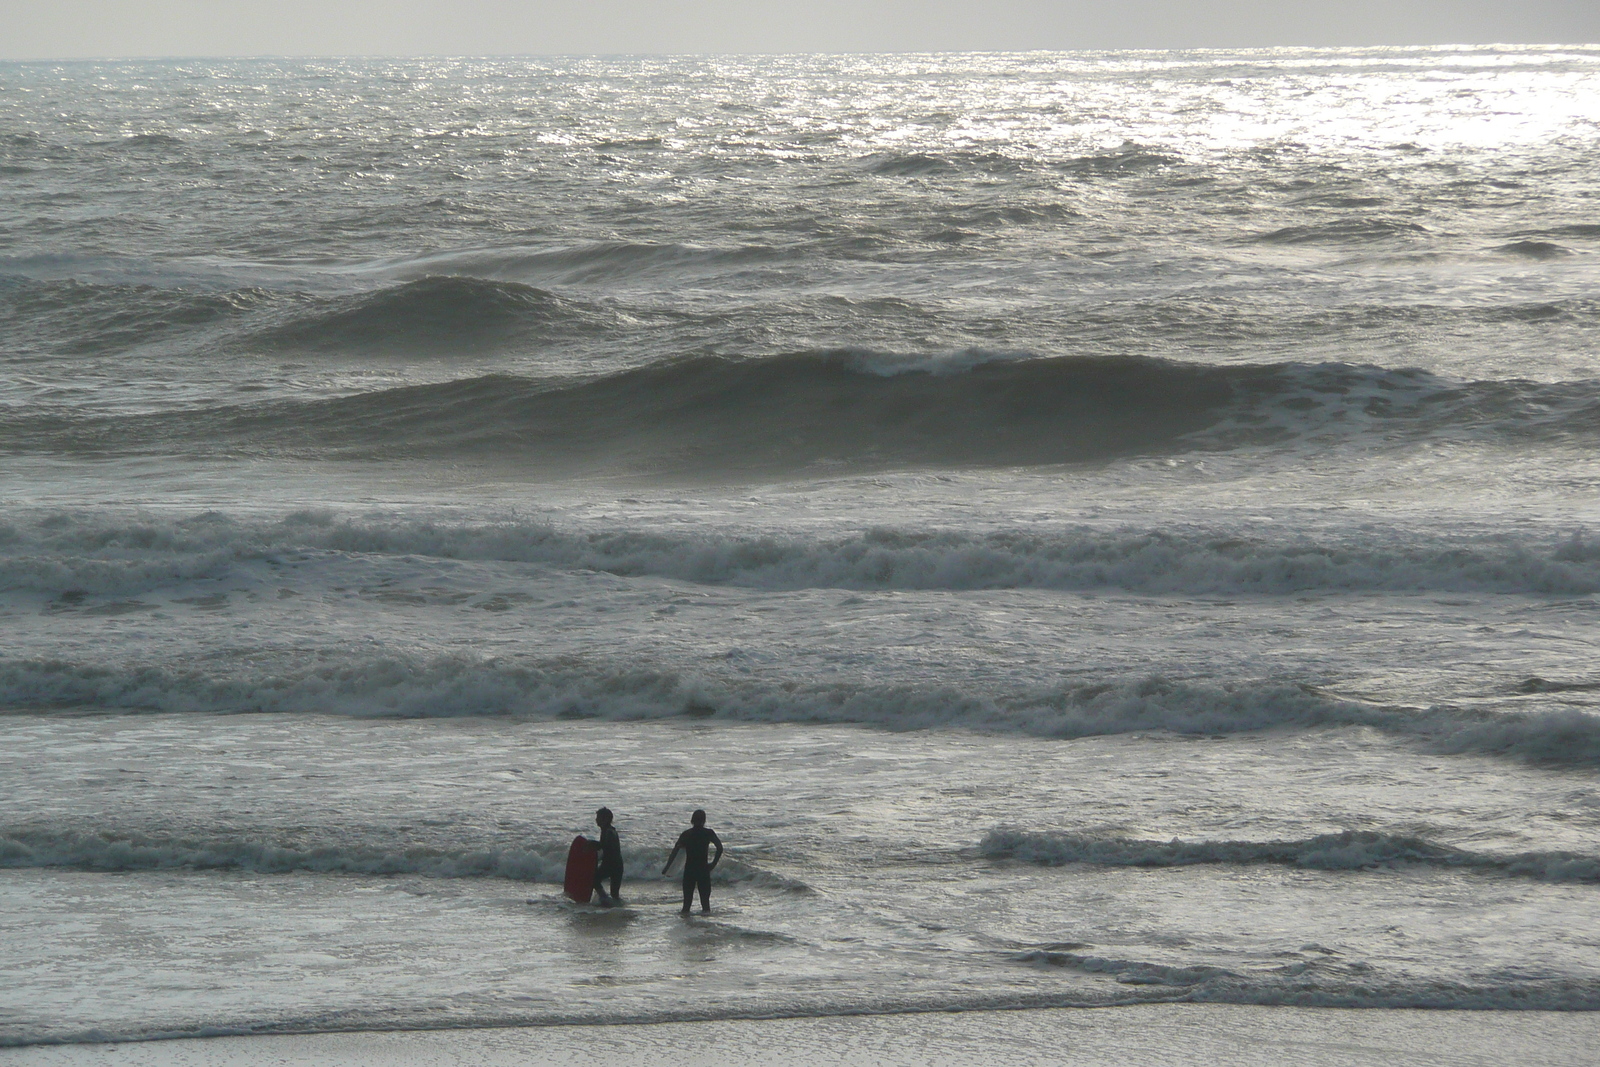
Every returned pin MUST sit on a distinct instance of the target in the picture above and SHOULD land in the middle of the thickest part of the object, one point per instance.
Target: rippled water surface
(1088, 527)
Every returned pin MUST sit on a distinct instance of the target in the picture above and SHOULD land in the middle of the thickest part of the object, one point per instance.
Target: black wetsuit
(610, 862)
(696, 843)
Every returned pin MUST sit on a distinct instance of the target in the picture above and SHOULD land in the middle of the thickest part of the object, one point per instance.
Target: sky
(68, 29)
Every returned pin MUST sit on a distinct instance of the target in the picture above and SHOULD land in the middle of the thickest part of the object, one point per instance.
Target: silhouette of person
(695, 843)
(610, 865)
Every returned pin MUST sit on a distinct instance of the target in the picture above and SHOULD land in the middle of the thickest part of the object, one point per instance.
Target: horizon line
(1216, 49)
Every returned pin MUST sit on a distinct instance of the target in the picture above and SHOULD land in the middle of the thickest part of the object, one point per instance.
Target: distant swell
(1129, 159)
(436, 315)
(573, 689)
(1351, 850)
(84, 319)
(1340, 231)
(589, 262)
(814, 412)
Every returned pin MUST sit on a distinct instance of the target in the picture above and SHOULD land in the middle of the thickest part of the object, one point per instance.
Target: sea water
(1089, 528)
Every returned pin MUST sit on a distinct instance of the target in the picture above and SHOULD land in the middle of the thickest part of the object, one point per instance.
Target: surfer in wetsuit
(610, 865)
(695, 843)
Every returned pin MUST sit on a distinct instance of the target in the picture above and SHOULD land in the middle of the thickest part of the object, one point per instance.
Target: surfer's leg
(704, 885)
(688, 891)
(616, 888)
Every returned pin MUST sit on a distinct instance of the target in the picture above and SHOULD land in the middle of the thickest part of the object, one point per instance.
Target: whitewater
(1090, 528)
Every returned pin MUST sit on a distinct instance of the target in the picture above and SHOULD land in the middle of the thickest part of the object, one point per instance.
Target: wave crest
(125, 851)
(574, 689)
(1344, 231)
(815, 412)
(1350, 850)
(834, 411)
(436, 314)
(61, 552)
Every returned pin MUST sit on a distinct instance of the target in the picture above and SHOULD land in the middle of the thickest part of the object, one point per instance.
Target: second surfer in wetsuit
(610, 865)
(695, 843)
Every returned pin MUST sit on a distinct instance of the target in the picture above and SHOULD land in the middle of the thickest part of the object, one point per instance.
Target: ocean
(1090, 529)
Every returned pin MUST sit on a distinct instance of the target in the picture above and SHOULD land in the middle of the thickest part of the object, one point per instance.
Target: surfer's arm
(673, 855)
(716, 841)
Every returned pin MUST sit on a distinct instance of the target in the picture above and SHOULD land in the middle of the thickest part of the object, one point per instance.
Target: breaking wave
(61, 552)
(1351, 850)
(124, 851)
(413, 687)
(141, 852)
(827, 411)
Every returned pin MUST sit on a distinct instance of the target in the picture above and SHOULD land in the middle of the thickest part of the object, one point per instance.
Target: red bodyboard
(583, 859)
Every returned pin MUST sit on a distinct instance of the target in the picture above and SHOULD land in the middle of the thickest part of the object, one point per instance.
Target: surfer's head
(699, 817)
(603, 817)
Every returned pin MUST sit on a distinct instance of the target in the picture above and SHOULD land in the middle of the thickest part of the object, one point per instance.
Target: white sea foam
(139, 852)
(456, 686)
(114, 850)
(64, 552)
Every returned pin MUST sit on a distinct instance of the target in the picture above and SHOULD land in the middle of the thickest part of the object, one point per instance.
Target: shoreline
(1110, 1035)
